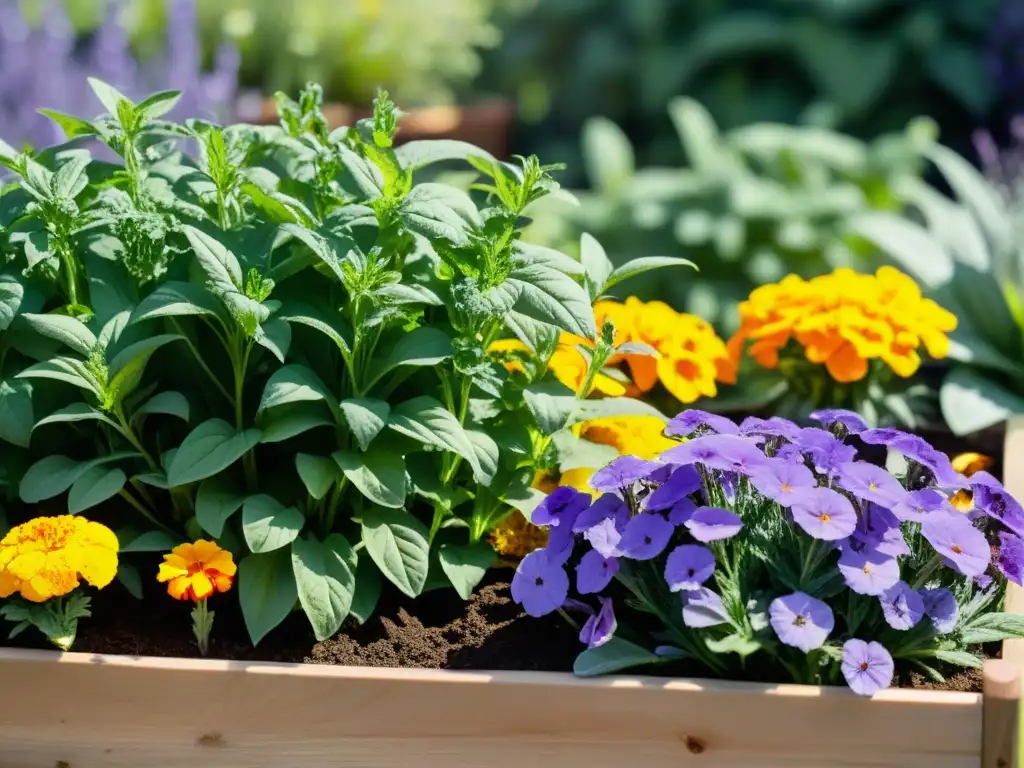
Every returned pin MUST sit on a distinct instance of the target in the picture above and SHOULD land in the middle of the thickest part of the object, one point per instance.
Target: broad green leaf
(414, 155)
(67, 330)
(597, 265)
(425, 346)
(154, 479)
(438, 211)
(276, 338)
(993, 628)
(108, 95)
(216, 501)
(318, 473)
(302, 314)
(71, 178)
(366, 177)
(266, 591)
(397, 542)
(319, 245)
(294, 384)
(66, 369)
(366, 417)
(379, 475)
(127, 367)
(16, 412)
(177, 299)
(466, 565)
(970, 402)
(642, 265)
(219, 264)
(280, 424)
(698, 133)
(52, 475)
(210, 448)
(426, 420)
(550, 296)
(607, 154)
(130, 579)
(159, 104)
(96, 485)
(528, 253)
(77, 412)
(268, 525)
(367, 593)
(614, 656)
(151, 541)
(487, 454)
(12, 293)
(326, 580)
(910, 244)
(552, 405)
(170, 403)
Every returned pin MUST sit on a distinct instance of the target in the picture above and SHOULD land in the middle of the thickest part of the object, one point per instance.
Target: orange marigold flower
(47, 556)
(842, 320)
(196, 571)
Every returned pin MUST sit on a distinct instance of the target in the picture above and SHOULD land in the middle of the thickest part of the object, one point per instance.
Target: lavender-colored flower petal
(779, 480)
(689, 421)
(621, 473)
(688, 566)
(728, 483)
(954, 537)
(561, 507)
(681, 512)
(879, 529)
(539, 585)
(608, 507)
(870, 483)
(713, 524)
(595, 572)
(995, 502)
(1010, 557)
(646, 536)
(917, 505)
(605, 537)
(824, 514)
(826, 452)
(850, 420)
(723, 452)
(801, 621)
(600, 627)
(703, 608)
(867, 667)
(773, 427)
(561, 542)
(680, 484)
(915, 449)
(902, 606)
(940, 606)
(868, 572)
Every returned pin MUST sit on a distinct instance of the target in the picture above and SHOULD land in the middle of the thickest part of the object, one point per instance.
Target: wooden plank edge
(1001, 714)
(1013, 481)
(499, 677)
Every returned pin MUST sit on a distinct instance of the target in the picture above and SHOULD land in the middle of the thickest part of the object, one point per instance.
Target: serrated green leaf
(438, 211)
(993, 628)
(550, 296)
(268, 525)
(219, 263)
(108, 95)
(397, 543)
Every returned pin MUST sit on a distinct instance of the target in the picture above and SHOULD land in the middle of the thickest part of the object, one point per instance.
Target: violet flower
(962, 545)
(646, 536)
(867, 667)
(917, 505)
(680, 484)
(851, 421)
(689, 421)
(994, 501)
(560, 508)
(621, 473)
(713, 524)
(607, 507)
(1010, 557)
(940, 606)
(779, 480)
(722, 452)
(539, 585)
(703, 608)
(681, 512)
(824, 514)
(601, 626)
(595, 572)
(605, 537)
(879, 529)
(868, 572)
(826, 452)
(688, 566)
(801, 621)
(916, 449)
(561, 541)
(870, 483)
(772, 427)
(901, 606)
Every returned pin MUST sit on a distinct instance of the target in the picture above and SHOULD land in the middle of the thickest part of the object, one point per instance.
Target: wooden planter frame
(89, 711)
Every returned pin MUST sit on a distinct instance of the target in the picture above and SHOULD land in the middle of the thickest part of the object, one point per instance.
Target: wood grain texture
(82, 711)
(1001, 714)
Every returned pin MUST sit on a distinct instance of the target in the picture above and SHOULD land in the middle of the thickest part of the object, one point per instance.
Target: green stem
(129, 435)
(141, 509)
(249, 460)
(202, 625)
(202, 363)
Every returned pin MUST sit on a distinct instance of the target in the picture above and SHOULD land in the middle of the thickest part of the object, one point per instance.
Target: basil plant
(279, 338)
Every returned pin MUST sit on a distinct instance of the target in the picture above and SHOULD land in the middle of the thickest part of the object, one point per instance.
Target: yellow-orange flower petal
(195, 571)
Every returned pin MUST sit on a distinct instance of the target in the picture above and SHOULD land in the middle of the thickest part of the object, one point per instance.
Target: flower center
(863, 666)
(539, 581)
(825, 517)
(957, 550)
(872, 487)
(867, 569)
(647, 539)
(690, 572)
(799, 621)
(786, 488)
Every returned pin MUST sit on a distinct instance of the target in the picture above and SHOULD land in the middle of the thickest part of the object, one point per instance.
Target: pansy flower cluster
(786, 542)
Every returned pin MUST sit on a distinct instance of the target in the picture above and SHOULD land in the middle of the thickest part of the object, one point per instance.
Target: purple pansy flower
(826, 451)
(713, 523)
(940, 606)
(1010, 557)
(824, 514)
(724, 452)
(773, 427)
(902, 606)
(828, 416)
(539, 585)
(681, 512)
(917, 505)
(646, 536)
(801, 621)
(621, 473)
(680, 484)
(660, 474)
(995, 502)
(687, 422)
(601, 626)
(605, 537)
(955, 538)
(595, 572)
(561, 506)
(879, 529)
(868, 572)
(867, 667)
(916, 449)
(703, 608)
(688, 566)
(608, 507)
(870, 483)
(779, 480)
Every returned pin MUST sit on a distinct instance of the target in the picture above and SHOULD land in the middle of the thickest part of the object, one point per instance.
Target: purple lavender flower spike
(962, 545)
(595, 572)
(940, 606)
(867, 667)
(601, 626)
(801, 621)
(646, 536)
(609, 506)
(703, 608)
(605, 537)
(868, 572)
(680, 484)
(780, 480)
(689, 421)
(995, 502)
(561, 507)
(539, 585)
(621, 473)
(713, 524)
(681, 512)
(917, 506)
(688, 566)
(902, 606)
(850, 420)
(724, 452)
(824, 514)
(1010, 557)
(870, 483)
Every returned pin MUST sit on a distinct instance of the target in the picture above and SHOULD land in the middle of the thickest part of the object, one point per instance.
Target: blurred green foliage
(862, 66)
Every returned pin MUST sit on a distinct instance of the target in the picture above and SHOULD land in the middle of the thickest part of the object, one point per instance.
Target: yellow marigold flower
(842, 320)
(567, 363)
(47, 556)
(969, 463)
(635, 435)
(517, 537)
(196, 571)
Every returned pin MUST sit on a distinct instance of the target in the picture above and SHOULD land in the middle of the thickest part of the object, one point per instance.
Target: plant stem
(249, 460)
(202, 625)
(141, 509)
(202, 363)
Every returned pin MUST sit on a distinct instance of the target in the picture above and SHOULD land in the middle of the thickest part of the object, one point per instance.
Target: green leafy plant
(282, 342)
